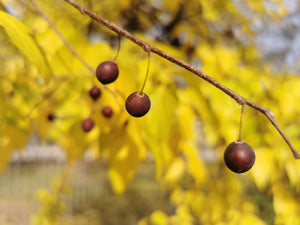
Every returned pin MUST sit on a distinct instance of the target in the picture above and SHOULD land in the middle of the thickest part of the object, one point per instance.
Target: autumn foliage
(190, 122)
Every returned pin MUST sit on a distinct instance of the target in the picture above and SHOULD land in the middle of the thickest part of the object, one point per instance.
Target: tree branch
(70, 47)
(148, 47)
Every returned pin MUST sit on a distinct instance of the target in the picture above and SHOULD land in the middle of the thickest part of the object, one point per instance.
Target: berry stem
(147, 72)
(119, 46)
(241, 122)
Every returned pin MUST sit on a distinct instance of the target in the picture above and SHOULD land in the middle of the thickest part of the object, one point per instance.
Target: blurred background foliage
(165, 168)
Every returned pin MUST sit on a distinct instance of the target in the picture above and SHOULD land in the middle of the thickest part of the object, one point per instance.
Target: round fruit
(87, 124)
(138, 104)
(107, 111)
(95, 93)
(107, 72)
(51, 117)
(239, 156)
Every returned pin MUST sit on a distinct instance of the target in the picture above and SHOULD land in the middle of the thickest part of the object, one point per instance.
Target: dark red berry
(87, 124)
(95, 93)
(239, 156)
(107, 72)
(138, 104)
(107, 111)
(51, 117)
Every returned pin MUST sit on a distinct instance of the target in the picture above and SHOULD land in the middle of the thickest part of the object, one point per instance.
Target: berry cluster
(88, 123)
(239, 157)
(137, 104)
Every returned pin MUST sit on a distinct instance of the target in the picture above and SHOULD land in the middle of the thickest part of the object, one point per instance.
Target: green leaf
(22, 38)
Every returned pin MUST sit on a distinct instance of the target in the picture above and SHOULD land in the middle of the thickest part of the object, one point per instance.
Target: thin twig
(70, 47)
(148, 47)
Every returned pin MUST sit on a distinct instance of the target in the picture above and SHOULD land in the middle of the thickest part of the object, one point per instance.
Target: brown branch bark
(148, 47)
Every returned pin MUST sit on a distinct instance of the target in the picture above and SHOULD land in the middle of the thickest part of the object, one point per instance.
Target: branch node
(296, 155)
(82, 10)
(146, 47)
(270, 114)
(240, 100)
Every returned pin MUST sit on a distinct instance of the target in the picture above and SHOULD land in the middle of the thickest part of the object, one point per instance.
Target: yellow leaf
(210, 12)
(6, 147)
(263, 168)
(186, 121)
(178, 196)
(17, 133)
(183, 216)
(159, 218)
(162, 155)
(22, 38)
(175, 171)
(194, 164)
(161, 115)
(3, 2)
(293, 171)
(285, 205)
(122, 163)
(171, 5)
(159, 122)
(256, 5)
(143, 221)
(249, 219)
